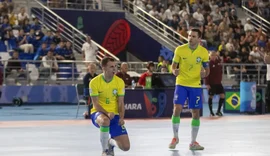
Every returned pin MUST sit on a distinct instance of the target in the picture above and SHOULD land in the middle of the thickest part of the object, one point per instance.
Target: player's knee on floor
(125, 147)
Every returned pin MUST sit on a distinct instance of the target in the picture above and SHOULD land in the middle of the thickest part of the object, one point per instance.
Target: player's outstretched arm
(97, 106)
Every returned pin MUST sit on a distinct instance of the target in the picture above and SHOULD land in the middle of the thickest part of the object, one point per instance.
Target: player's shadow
(193, 153)
(175, 153)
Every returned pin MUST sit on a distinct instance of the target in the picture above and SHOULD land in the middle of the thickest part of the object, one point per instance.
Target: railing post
(73, 40)
(259, 76)
(121, 4)
(241, 74)
(85, 7)
(50, 77)
(72, 72)
(42, 16)
(27, 73)
(4, 73)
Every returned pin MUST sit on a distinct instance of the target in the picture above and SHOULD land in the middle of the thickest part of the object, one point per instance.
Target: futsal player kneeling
(213, 83)
(191, 58)
(107, 92)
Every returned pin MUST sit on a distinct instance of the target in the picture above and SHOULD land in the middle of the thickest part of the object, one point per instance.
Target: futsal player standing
(107, 92)
(213, 83)
(190, 57)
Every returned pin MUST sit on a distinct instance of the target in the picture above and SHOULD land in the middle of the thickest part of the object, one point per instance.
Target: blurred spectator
(49, 64)
(23, 43)
(14, 68)
(147, 75)
(22, 16)
(68, 55)
(89, 50)
(86, 80)
(124, 75)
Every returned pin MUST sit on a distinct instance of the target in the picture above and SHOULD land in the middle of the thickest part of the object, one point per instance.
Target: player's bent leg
(220, 104)
(119, 136)
(122, 142)
(103, 122)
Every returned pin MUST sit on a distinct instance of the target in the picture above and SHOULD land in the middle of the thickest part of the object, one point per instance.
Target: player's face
(110, 69)
(193, 38)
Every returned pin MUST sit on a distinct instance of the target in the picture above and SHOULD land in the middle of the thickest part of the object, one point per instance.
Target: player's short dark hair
(198, 31)
(105, 61)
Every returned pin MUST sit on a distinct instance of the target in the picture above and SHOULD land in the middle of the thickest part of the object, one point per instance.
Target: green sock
(175, 123)
(104, 137)
(195, 125)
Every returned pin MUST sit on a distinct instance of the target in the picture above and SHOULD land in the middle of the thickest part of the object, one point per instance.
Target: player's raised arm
(94, 96)
(175, 62)
(121, 104)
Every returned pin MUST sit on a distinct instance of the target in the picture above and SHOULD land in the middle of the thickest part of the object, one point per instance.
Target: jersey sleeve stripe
(175, 61)
(121, 94)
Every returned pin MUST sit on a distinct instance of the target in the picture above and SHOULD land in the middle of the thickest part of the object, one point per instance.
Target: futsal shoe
(111, 151)
(195, 146)
(174, 142)
(219, 114)
(212, 114)
(106, 153)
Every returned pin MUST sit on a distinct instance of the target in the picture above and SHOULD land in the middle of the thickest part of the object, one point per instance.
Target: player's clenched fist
(111, 115)
(176, 72)
(121, 122)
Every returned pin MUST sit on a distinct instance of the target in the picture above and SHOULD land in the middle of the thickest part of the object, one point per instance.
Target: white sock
(113, 143)
(175, 130)
(194, 133)
(104, 137)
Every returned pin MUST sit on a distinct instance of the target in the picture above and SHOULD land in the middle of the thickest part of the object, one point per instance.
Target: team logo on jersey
(114, 92)
(198, 59)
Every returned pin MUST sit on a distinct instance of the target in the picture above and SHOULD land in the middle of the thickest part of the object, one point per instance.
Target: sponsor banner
(248, 97)
(139, 103)
(152, 104)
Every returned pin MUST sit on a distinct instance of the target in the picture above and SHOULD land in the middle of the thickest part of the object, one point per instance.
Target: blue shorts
(194, 96)
(115, 128)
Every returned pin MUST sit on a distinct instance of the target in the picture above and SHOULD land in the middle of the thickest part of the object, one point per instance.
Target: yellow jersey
(190, 65)
(107, 92)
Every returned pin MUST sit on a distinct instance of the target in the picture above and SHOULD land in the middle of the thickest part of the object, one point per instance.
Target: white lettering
(133, 106)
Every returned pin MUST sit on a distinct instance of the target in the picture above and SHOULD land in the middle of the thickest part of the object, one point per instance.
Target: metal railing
(163, 31)
(256, 20)
(84, 4)
(34, 73)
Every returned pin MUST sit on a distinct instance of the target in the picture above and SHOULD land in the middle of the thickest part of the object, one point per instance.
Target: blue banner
(248, 96)
(139, 103)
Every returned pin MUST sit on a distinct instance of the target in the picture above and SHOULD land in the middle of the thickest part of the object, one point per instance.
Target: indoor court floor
(54, 131)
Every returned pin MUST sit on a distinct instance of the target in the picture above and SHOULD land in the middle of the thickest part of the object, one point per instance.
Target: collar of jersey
(105, 80)
(194, 49)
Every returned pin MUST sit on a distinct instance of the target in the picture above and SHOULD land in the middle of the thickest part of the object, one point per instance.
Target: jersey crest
(114, 92)
(198, 59)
